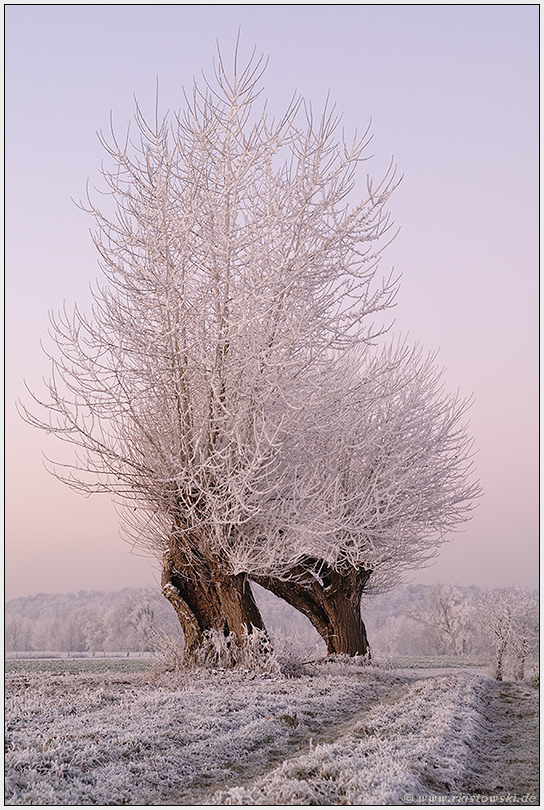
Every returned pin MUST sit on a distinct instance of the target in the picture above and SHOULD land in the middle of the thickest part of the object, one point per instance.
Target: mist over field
(410, 622)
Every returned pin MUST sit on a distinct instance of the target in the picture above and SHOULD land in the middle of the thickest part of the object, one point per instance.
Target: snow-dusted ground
(344, 735)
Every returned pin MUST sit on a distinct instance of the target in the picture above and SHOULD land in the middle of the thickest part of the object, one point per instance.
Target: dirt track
(507, 765)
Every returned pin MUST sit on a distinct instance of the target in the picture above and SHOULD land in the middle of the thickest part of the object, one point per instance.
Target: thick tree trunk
(195, 601)
(332, 603)
(206, 600)
(239, 607)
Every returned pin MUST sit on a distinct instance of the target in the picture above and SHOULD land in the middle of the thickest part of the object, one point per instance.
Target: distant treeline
(410, 620)
(121, 621)
(90, 621)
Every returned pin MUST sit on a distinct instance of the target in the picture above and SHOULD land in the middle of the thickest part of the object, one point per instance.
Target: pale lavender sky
(453, 94)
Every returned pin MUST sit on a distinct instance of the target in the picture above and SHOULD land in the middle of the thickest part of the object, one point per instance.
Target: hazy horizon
(452, 92)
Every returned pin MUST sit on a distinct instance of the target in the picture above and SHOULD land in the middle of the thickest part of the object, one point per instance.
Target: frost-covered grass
(344, 735)
(106, 739)
(89, 665)
(417, 741)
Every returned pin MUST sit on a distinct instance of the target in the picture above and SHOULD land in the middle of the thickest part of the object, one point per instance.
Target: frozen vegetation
(105, 731)
(338, 734)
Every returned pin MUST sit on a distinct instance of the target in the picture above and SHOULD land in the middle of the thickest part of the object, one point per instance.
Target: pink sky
(453, 94)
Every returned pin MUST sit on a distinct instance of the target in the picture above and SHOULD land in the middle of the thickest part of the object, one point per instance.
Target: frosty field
(339, 735)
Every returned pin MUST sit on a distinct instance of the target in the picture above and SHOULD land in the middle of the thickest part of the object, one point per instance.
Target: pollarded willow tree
(384, 478)
(225, 387)
(235, 272)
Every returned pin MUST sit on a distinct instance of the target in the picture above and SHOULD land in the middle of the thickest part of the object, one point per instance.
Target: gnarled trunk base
(206, 602)
(332, 603)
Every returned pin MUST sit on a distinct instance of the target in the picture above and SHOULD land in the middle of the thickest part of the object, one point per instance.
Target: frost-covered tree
(236, 273)
(225, 387)
(383, 479)
(94, 627)
(140, 617)
(510, 618)
(451, 618)
(67, 633)
(526, 630)
(18, 633)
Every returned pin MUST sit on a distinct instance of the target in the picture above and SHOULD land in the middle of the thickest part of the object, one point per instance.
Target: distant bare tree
(94, 628)
(17, 633)
(67, 633)
(451, 617)
(510, 618)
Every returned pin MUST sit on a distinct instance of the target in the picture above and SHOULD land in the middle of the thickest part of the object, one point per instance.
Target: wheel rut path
(506, 764)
